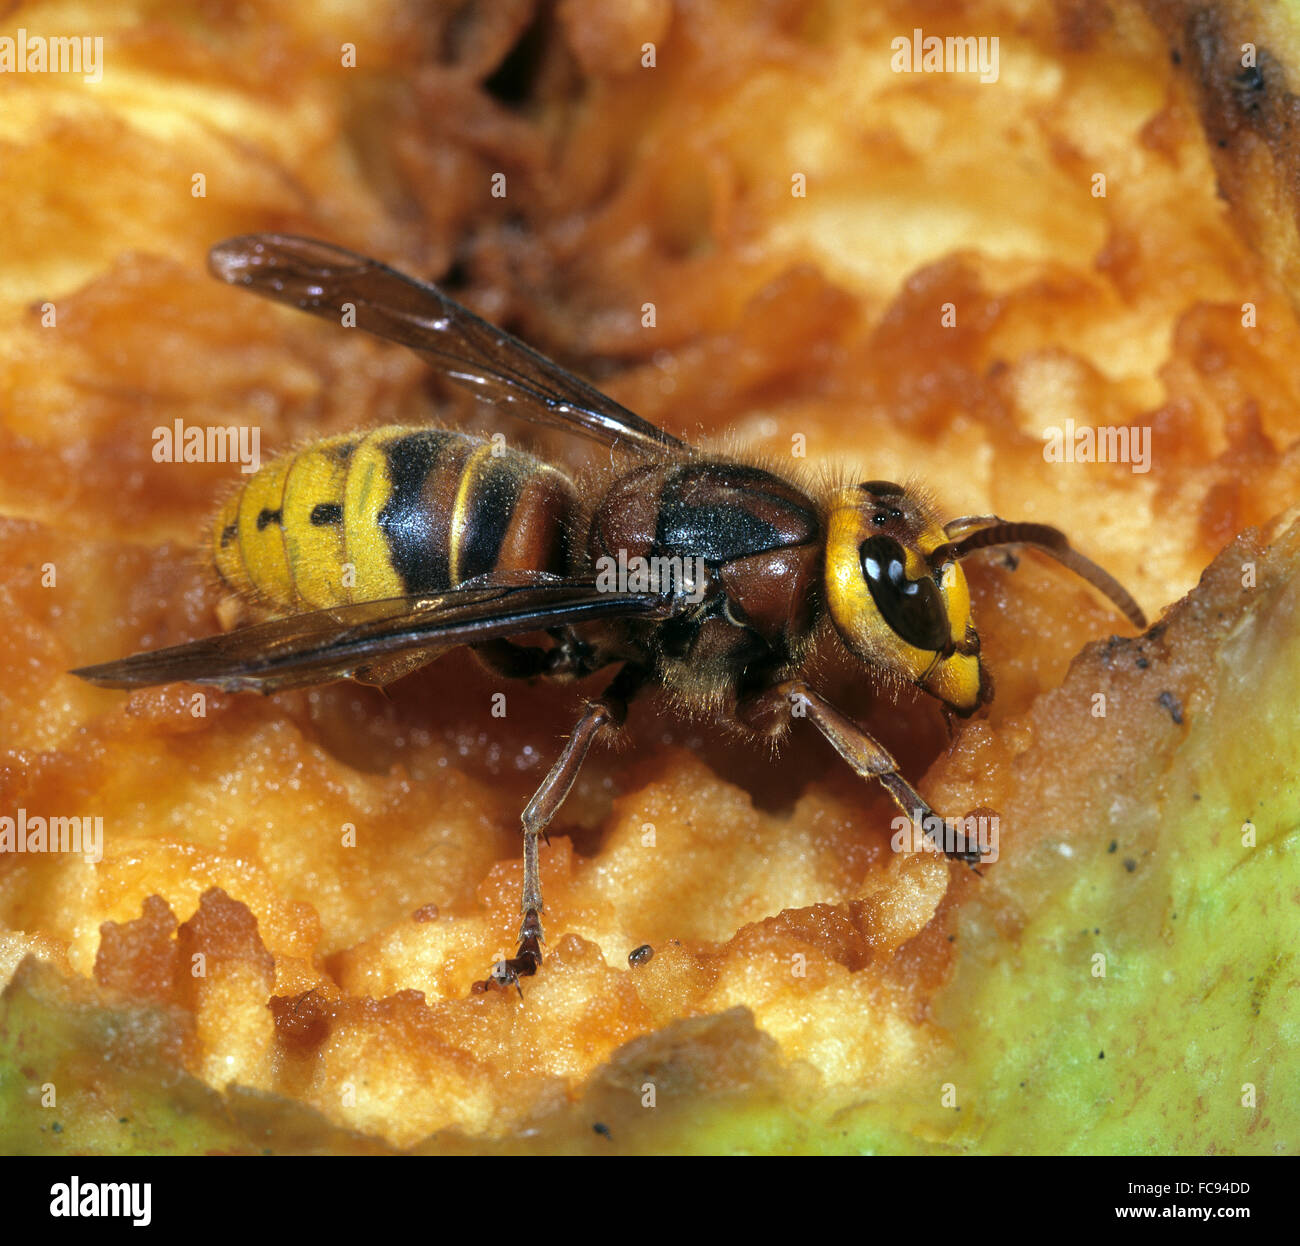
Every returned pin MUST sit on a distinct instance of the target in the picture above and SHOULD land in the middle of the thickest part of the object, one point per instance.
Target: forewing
(326, 645)
(321, 278)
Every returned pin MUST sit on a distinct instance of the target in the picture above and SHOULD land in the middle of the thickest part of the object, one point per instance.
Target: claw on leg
(524, 963)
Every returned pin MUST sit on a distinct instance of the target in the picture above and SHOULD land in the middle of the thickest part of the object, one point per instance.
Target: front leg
(609, 711)
(868, 757)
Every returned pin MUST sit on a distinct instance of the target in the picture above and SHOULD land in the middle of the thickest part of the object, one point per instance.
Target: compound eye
(914, 609)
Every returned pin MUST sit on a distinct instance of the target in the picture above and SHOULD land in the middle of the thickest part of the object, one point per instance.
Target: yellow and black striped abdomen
(389, 512)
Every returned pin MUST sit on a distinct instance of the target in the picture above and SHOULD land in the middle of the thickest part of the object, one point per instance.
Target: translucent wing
(320, 278)
(325, 645)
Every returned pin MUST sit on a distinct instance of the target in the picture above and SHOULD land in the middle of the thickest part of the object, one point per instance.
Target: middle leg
(610, 711)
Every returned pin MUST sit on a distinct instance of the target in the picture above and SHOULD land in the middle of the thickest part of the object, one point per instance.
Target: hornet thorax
(739, 548)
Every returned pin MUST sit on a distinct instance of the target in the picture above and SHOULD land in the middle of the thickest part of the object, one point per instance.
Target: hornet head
(897, 596)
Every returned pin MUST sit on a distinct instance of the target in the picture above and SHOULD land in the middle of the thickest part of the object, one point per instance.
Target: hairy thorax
(741, 550)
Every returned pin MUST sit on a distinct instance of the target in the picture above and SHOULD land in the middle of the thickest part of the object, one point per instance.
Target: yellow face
(891, 605)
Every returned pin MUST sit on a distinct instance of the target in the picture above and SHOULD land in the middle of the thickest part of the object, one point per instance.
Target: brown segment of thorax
(760, 539)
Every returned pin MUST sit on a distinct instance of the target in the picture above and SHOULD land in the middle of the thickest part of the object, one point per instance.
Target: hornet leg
(870, 759)
(609, 711)
(569, 658)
